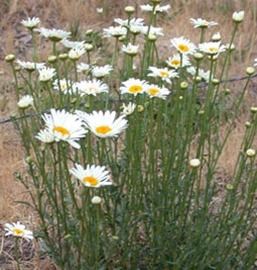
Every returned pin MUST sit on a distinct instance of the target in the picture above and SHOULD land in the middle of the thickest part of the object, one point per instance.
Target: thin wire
(11, 119)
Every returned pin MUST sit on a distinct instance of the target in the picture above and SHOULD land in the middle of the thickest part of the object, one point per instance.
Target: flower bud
(140, 108)
(183, 85)
(250, 152)
(194, 163)
(52, 59)
(250, 71)
(9, 58)
(129, 9)
(198, 56)
(63, 56)
(238, 17)
(253, 109)
(96, 200)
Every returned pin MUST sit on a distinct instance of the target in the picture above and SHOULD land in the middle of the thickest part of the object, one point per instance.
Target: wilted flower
(92, 176)
(31, 23)
(104, 124)
(63, 126)
(133, 86)
(158, 8)
(129, 108)
(18, 230)
(63, 85)
(201, 23)
(25, 102)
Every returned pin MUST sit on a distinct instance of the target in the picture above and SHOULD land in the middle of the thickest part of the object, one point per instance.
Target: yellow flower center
(90, 180)
(153, 91)
(164, 73)
(103, 129)
(63, 86)
(183, 48)
(213, 50)
(62, 130)
(135, 89)
(175, 62)
(17, 231)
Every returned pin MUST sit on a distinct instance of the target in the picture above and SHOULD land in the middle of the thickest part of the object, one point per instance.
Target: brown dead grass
(68, 14)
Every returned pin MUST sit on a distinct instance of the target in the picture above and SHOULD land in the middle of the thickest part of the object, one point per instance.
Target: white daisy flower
(133, 22)
(18, 230)
(45, 136)
(164, 73)
(129, 108)
(133, 86)
(104, 124)
(154, 31)
(204, 75)
(30, 66)
(101, 71)
(175, 61)
(92, 176)
(216, 37)
(46, 74)
(130, 49)
(76, 52)
(115, 31)
(92, 87)
(158, 8)
(155, 91)
(31, 23)
(72, 44)
(201, 23)
(238, 16)
(54, 34)
(183, 45)
(63, 126)
(25, 102)
(212, 48)
(62, 85)
(82, 67)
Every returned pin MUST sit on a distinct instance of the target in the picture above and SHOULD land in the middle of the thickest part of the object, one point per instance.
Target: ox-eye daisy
(157, 8)
(201, 23)
(155, 91)
(63, 126)
(130, 49)
(129, 108)
(18, 230)
(25, 102)
(63, 85)
(164, 73)
(212, 48)
(101, 71)
(72, 44)
(83, 67)
(54, 34)
(133, 86)
(115, 31)
(104, 124)
(31, 23)
(46, 74)
(92, 175)
(76, 52)
(175, 61)
(92, 87)
(183, 45)
(30, 66)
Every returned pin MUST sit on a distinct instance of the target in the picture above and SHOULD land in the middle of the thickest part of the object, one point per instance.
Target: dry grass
(74, 14)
